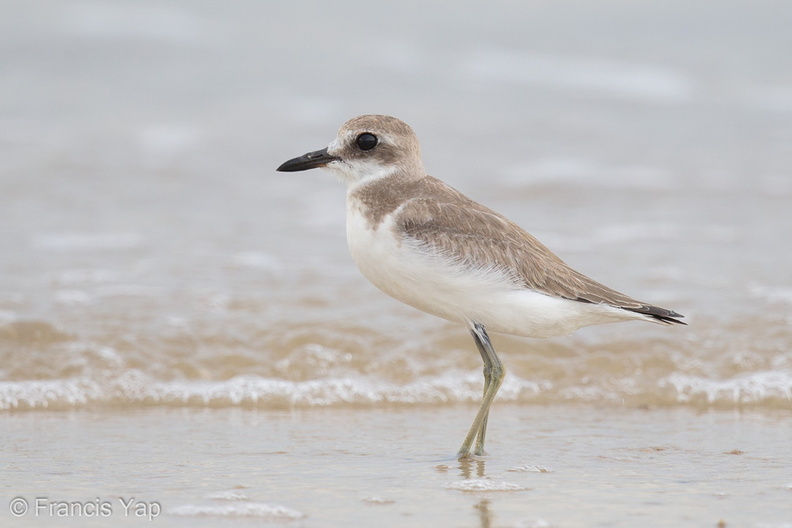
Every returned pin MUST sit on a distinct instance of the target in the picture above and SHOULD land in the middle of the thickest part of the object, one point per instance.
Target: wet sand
(563, 466)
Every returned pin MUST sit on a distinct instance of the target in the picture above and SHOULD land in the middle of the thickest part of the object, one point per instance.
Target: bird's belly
(435, 284)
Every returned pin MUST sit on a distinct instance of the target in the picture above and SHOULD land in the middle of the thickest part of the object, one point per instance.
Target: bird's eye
(366, 141)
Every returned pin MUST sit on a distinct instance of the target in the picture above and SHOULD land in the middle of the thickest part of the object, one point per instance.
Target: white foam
(229, 495)
(49, 394)
(754, 387)
(130, 387)
(532, 523)
(483, 484)
(530, 469)
(133, 387)
(242, 509)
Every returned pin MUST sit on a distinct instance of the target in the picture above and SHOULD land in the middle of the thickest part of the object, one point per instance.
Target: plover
(433, 248)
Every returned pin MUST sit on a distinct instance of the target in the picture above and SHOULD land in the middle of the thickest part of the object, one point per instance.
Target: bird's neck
(378, 198)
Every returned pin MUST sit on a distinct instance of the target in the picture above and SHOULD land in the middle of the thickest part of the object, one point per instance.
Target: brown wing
(450, 223)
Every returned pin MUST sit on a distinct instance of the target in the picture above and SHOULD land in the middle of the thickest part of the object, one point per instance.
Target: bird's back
(445, 225)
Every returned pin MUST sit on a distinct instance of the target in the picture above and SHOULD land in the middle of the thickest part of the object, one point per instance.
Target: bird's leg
(493, 377)
(482, 432)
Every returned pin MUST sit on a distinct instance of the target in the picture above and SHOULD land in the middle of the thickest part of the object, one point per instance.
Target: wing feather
(447, 222)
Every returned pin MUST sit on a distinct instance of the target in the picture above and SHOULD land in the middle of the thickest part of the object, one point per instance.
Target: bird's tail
(659, 315)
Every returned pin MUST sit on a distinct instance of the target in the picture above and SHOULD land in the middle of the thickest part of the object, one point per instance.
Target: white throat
(360, 172)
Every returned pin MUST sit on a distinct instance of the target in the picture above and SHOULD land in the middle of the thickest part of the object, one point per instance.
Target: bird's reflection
(472, 468)
(476, 469)
(485, 515)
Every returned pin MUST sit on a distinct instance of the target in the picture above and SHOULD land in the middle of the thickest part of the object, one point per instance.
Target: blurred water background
(180, 323)
(150, 255)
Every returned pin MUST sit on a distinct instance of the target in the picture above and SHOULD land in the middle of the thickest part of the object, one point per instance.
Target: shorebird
(426, 244)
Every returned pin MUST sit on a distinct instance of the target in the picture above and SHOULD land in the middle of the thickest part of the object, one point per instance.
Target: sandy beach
(561, 466)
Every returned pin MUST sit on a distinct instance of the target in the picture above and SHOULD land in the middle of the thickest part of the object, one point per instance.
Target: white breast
(436, 285)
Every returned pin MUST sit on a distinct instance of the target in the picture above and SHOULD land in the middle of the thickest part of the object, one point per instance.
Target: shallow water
(153, 261)
(571, 465)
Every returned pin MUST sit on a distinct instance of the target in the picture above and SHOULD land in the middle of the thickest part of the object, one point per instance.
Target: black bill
(319, 158)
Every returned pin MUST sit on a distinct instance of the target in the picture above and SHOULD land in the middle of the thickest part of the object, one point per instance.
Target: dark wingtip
(661, 314)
